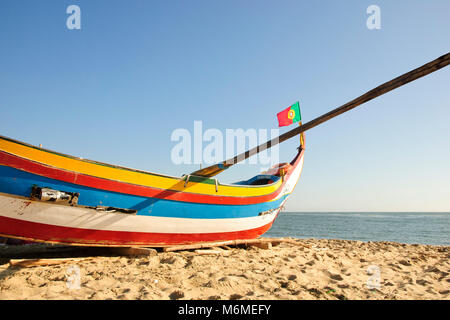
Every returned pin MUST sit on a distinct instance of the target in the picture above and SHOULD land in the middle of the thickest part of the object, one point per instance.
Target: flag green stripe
(296, 108)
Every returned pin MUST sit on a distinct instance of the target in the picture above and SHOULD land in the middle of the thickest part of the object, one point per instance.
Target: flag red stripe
(283, 119)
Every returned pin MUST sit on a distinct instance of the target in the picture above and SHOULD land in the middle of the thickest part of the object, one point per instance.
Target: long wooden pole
(415, 74)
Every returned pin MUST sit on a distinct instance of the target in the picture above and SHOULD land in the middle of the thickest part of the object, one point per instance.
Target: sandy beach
(307, 269)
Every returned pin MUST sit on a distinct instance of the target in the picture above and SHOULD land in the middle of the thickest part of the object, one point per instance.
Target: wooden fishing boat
(51, 197)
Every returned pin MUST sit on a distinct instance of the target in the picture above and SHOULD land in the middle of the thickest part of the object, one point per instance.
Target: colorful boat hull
(164, 210)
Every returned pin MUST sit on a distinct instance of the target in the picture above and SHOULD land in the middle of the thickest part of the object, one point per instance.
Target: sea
(405, 227)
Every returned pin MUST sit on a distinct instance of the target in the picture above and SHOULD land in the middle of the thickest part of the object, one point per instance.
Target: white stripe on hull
(84, 218)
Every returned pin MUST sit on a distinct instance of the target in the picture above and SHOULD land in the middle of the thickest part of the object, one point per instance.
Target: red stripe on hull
(76, 236)
(126, 188)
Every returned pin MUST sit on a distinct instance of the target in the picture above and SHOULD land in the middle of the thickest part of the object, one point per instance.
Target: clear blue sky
(116, 89)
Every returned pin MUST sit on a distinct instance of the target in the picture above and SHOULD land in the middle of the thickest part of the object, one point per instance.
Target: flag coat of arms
(289, 115)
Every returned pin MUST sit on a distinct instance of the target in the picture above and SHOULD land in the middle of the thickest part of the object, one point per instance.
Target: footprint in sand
(177, 294)
(175, 261)
(422, 282)
(405, 262)
(337, 277)
(310, 263)
(168, 260)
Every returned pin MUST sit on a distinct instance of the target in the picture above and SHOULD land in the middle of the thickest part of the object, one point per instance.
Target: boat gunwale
(179, 179)
(87, 160)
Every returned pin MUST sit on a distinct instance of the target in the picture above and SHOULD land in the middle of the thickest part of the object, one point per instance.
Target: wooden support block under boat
(261, 243)
(44, 262)
(121, 251)
(134, 251)
(208, 252)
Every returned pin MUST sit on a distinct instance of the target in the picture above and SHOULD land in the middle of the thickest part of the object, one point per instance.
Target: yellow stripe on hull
(128, 175)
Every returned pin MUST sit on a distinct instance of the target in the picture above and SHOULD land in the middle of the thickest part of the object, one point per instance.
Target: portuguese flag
(289, 115)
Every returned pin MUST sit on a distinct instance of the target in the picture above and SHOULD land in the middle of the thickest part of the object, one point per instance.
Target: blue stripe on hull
(17, 182)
